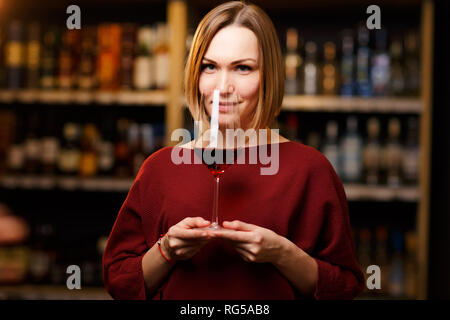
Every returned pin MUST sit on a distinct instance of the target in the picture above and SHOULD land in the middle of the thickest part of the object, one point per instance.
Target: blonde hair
(271, 66)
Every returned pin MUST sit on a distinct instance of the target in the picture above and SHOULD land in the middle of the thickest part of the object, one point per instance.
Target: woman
(285, 235)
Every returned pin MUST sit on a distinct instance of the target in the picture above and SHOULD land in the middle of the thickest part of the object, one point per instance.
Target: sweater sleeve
(324, 216)
(122, 259)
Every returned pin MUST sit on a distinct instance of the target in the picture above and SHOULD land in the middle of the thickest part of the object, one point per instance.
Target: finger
(196, 222)
(239, 225)
(247, 256)
(176, 243)
(240, 236)
(182, 233)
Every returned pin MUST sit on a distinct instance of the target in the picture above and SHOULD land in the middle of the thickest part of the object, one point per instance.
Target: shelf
(358, 192)
(160, 98)
(355, 192)
(52, 292)
(120, 97)
(352, 104)
(107, 184)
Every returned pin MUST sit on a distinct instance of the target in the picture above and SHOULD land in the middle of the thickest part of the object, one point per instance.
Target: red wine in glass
(221, 159)
(217, 161)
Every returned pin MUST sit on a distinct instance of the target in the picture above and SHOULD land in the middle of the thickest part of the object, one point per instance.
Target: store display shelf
(120, 97)
(352, 104)
(52, 292)
(360, 192)
(105, 184)
(354, 192)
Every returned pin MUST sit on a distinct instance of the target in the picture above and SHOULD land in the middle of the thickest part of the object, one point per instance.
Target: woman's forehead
(231, 44)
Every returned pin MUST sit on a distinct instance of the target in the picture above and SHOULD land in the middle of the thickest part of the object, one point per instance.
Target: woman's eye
(244, 68)
(207, 67)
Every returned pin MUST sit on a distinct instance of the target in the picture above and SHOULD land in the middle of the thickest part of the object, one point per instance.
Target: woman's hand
(183, 240)
(253, 243)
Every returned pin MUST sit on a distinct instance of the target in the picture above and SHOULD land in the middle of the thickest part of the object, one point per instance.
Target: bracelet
(159, 247)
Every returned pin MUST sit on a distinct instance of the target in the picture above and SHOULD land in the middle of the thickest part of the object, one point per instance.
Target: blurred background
(80, 110)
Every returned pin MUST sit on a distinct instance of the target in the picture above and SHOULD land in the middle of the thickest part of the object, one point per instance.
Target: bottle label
(162, 70)
(14, 54)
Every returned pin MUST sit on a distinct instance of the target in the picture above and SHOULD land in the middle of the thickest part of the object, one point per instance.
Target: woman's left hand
(253, 243)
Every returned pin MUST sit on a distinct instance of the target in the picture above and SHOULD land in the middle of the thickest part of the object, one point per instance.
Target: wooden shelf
(354, 192)
(120, 97)
(359, 192)
(352, 104)
(159, 98)
(52, 292)
(97, 184)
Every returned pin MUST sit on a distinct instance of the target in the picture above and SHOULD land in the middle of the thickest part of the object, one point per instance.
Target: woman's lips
(226, 106)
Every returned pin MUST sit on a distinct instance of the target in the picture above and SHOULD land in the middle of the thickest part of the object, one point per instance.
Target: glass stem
(215, 213)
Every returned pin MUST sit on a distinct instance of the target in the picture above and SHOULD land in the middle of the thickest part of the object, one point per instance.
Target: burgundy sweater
(304, 202)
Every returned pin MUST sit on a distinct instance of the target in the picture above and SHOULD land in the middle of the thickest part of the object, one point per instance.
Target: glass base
(213, 226)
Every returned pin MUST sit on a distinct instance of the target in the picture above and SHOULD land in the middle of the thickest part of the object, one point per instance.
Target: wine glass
(220, 138)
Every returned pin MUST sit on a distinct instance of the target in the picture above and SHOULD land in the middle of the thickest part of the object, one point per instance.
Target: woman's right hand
(184, 240)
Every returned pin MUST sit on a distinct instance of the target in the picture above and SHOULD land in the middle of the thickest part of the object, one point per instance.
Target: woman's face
(231, 64)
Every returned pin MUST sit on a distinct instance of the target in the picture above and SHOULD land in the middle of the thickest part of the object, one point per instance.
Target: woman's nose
(225, 83)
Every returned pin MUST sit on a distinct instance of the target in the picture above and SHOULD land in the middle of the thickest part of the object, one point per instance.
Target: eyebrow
(234, 62)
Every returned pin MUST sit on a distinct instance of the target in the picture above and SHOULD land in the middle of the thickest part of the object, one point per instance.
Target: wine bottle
(293, 62)
(127, 55)
(411, 264)
(69, 59)
(69, 156)
(106, 149)
(381, 65)
(11, 137)
(50, 146)
(311, 70)
(397, 81)
(363, 84)
(121, 150)
(144, 64)
(162, 63)
(89, 156)
(410, 159)
(33, 147)
(330, 147)
(347, 64)
(148, 139)
(351, 146)
(108, 64)
(86, 76)
(381, 256)
(329, 72)
(137, 156)
(49, 66)
(33, 59)
(42, 253)
(397, 274)
(393, 153)
(372, 151)
(412, 63)
(15, 55)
